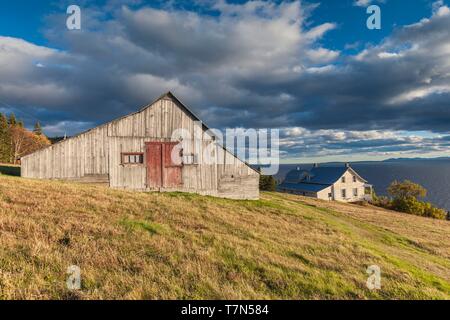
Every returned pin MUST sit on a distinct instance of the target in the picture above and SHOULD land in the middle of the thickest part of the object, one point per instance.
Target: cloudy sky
(335, 89)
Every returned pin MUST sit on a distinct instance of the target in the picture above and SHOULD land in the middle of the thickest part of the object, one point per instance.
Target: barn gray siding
(95, 156)
(84, 155)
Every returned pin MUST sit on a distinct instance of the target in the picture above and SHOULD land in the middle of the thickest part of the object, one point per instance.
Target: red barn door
(164, 164)
(154, 165)
(172, 164)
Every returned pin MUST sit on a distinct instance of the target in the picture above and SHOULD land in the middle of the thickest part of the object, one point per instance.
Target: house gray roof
(314, 180)
(295, 176)
(303, 187)
(326, 175)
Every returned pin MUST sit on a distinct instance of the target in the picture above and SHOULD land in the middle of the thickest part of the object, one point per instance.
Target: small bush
(267, 183)
(409, 205)
(381, 201)
(362, 203)
(433, 212)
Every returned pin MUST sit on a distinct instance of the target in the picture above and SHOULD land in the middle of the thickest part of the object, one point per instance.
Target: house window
(330, 195)
(343, 179)
(355, 192)
(132, 158)
(344, 193)
(354, 178)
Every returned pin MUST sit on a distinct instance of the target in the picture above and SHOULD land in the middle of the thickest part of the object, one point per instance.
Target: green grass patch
(152, 227)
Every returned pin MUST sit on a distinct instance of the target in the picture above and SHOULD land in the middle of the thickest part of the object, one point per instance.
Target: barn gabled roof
(204, 126)
(169, 95)
(149, 105)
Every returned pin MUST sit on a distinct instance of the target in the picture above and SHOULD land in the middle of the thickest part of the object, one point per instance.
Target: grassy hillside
(178, 246)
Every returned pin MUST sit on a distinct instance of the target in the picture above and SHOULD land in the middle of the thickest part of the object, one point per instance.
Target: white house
(341, 183)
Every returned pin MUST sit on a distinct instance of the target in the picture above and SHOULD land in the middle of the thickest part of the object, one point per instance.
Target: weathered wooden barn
(159, 148)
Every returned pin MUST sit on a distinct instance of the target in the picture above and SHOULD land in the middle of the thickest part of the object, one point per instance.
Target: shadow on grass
(10, 170)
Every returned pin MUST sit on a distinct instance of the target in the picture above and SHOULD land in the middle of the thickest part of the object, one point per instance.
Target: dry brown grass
(179, 246)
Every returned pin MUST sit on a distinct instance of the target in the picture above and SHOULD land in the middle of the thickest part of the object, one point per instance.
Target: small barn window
(132, 158)
(190, 159)
(343, 179)
(354, 178)
(355, 192)
(344, 193)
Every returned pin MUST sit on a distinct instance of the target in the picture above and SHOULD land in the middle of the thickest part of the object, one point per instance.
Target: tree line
(16, 141)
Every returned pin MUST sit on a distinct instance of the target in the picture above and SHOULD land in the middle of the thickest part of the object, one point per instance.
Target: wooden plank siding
(86, 154)
(97, 153)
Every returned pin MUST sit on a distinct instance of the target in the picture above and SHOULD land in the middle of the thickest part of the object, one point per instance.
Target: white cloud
(60, 129)
(17, 57)
(298, 143)
(366, 3)
(143, 85)
(389, 55)
(420, 93)
(322, 55)
(443, 11)
(362, 3)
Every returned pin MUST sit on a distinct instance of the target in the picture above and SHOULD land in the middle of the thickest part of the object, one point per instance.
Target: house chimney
(316, 165)
(347, 165)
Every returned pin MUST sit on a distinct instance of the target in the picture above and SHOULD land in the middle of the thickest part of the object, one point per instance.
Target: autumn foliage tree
(406, 189)
(16, 141)
(24, 142)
